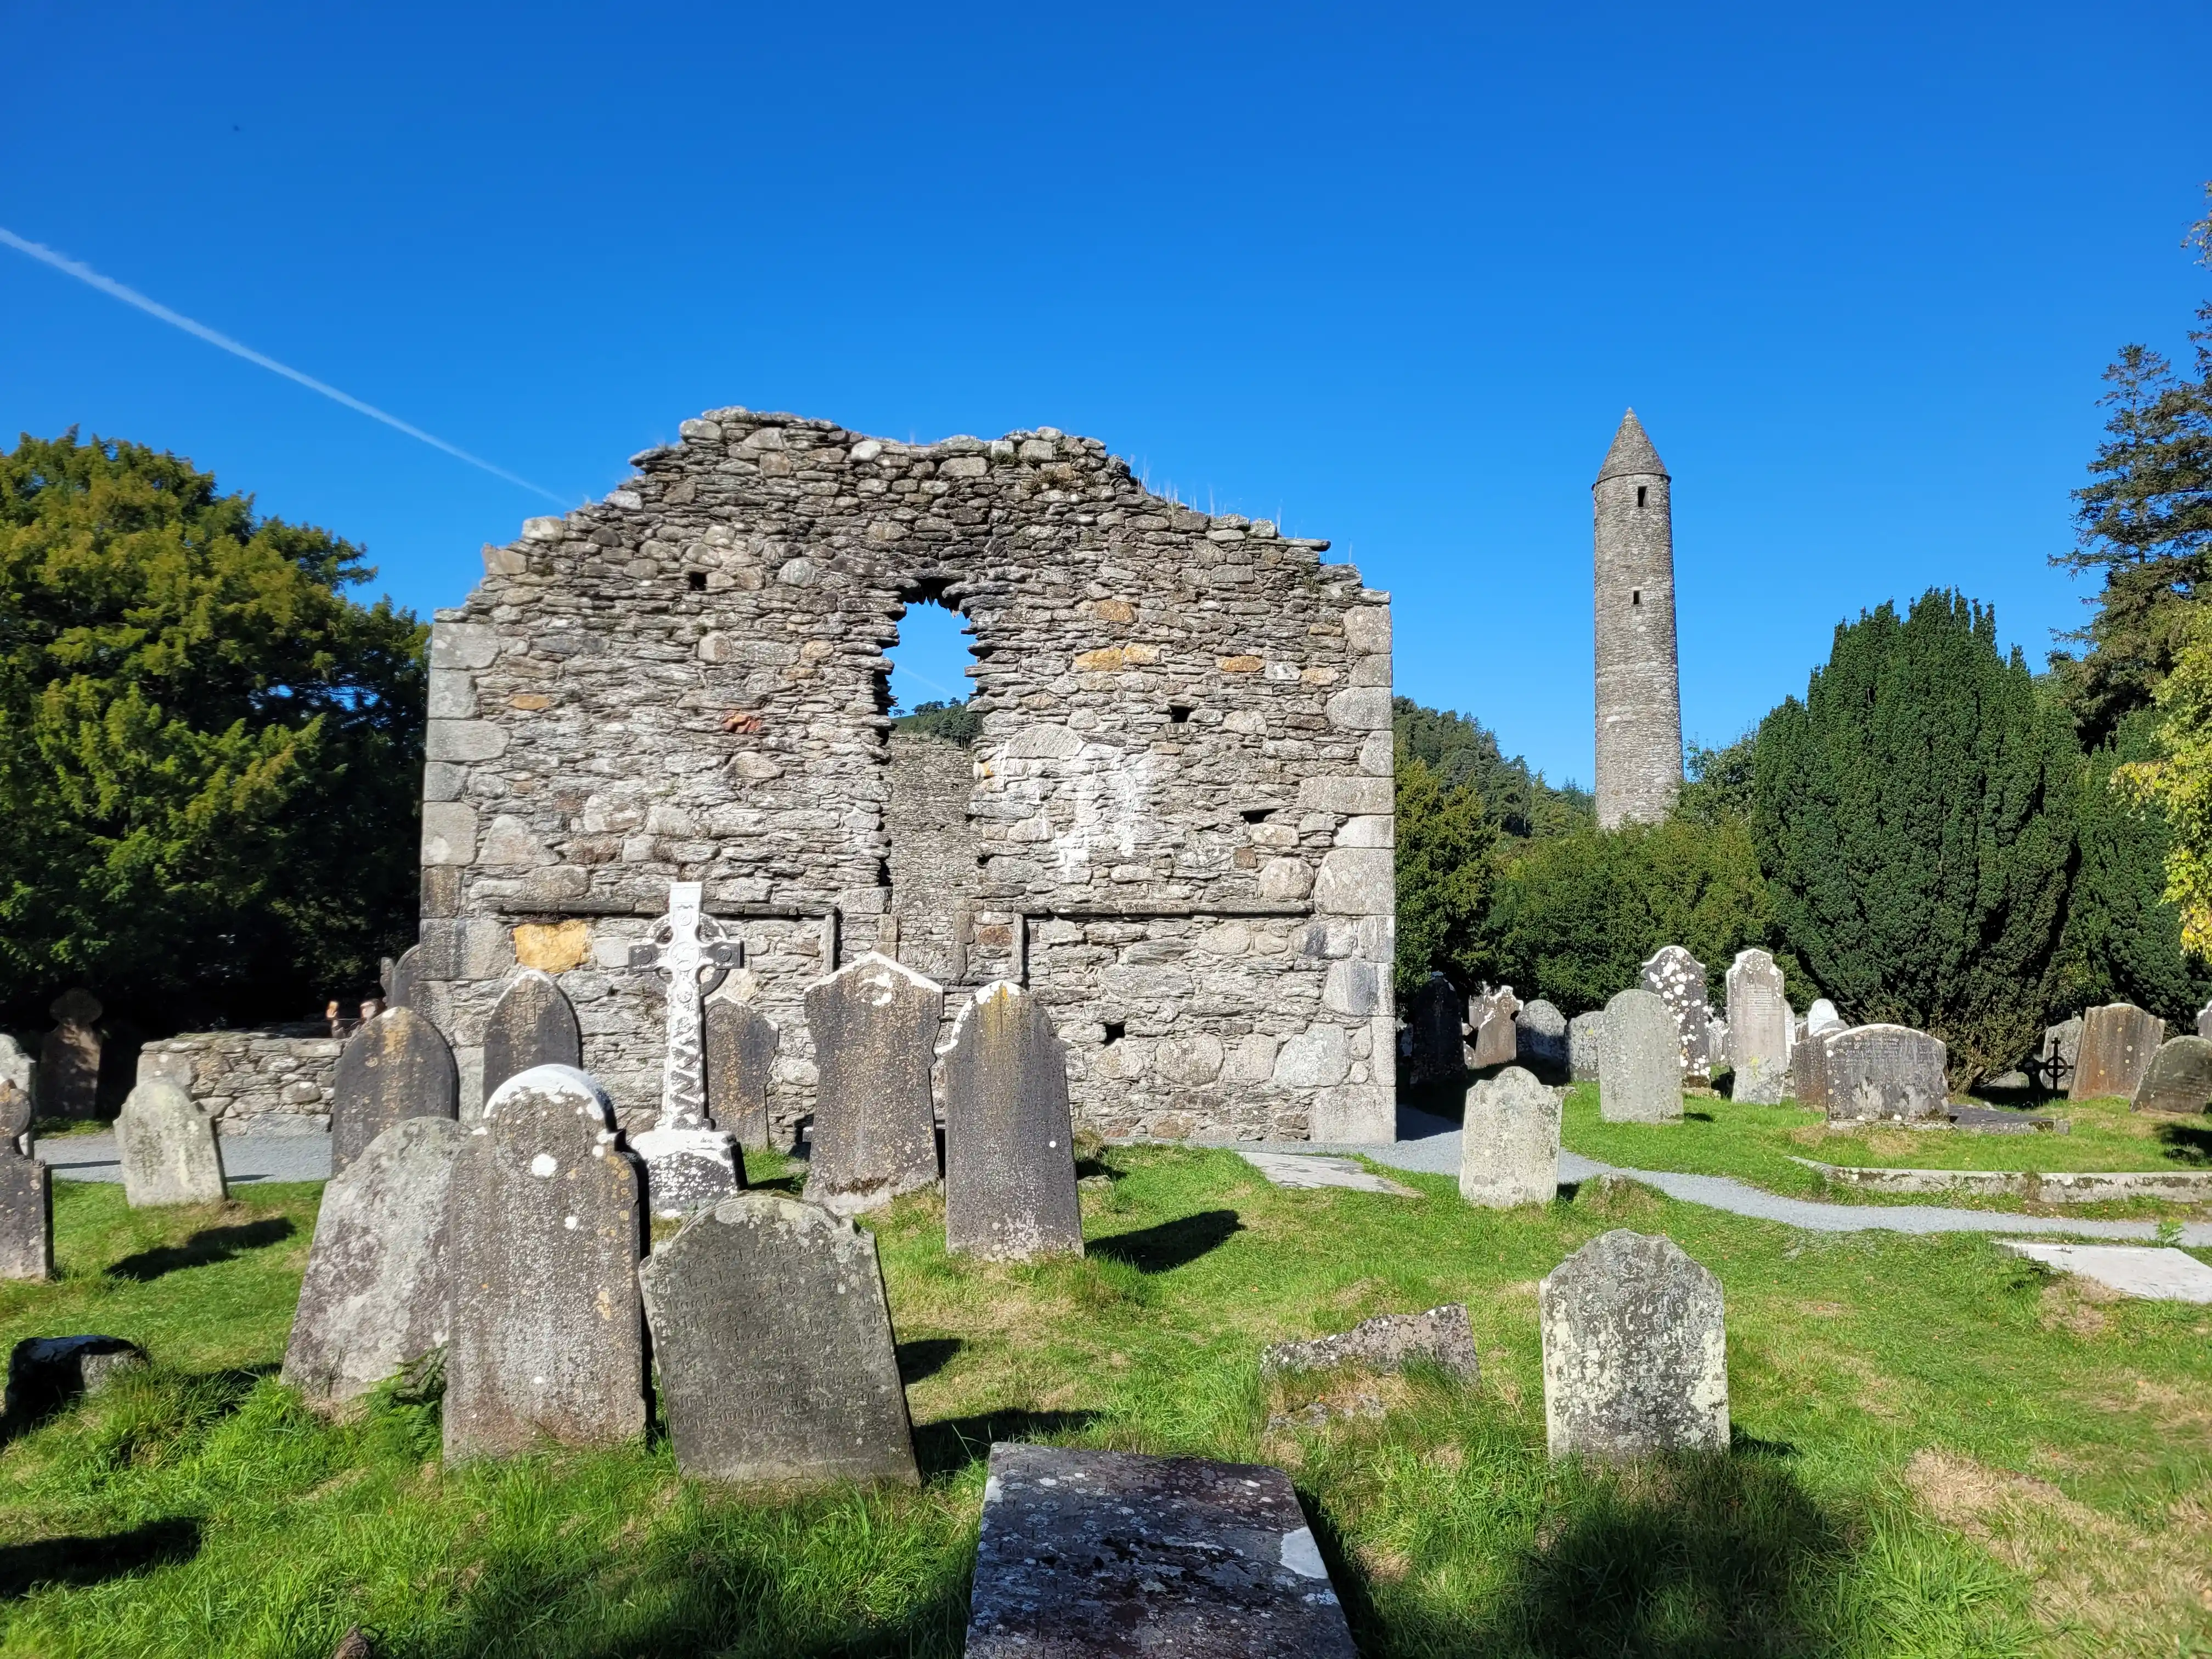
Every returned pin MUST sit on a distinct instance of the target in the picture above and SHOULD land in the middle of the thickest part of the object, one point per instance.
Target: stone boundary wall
(276, 1079)
(1185, 732)
(2050, 1187)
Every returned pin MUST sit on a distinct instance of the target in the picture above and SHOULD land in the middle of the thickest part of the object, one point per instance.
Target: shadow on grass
(75, 1563)
(949, 1446)
(1171, 1244)
(208, 1245)
(2185, 1143)
(926, 1356)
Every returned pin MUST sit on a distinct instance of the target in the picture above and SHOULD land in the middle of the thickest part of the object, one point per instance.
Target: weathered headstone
(874, 1025)
(1808, 1068)
(377, 1291)
(26, 1215)
(774, 1340)
(1882, 1072)
(1640, 1078)
(1433, 1022)
(689, 1164)
(69, 1060)
(1759, 1029)
(2118, 1042)
(2051, 1069)
(1583, 1047)
(167, 1148)
(2204, 1021)
(1541, 1034)
(19, 1074)
(545, 1220)
(14, 1114)
(1635, 1350)
(1509, 1146)
(1822, 1017)
(395, 1067)
(1497, 1039)
(1678, 979)
(532, 1024)
(403, 985)
(47, 1371)
(2178, 1078)
(741, 1047)
(1388, 1342)
(1009, 1144)
(1102, 1552)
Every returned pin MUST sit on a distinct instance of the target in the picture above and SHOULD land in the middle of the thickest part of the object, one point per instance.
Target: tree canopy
(210, 755)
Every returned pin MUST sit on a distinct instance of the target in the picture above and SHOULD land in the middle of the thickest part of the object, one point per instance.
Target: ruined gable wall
(1181, 797)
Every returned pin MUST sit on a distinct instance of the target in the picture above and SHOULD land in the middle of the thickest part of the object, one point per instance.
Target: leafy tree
(1914, 815)
(209, 754)
(1716, 787)
(1464, 754)
(954, 722)
(2178, 780)
(1443, 866)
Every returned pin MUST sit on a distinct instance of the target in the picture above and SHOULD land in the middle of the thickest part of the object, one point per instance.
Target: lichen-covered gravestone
(377, 1291)
(1635, 1350)
(1433, 1014)
(774, 1342)
(397, 1065)
(533, 1025)
(2118, 1042)
(1388, 1342)
(1009, 1146)
(68, 1060)
(1541, 1038)
(1808, 1068)
(1639, 1061)
(874, 1025)
(1497, 1039)
(167, 1148)
(1759, 1026)
(1874, 1074)
(26, 1201)
(2178, 1078)
(1678, 979)
(545, 1220)
(1583, 1047)
(1509, 1148)
(741, 1046)
(1115, 1554)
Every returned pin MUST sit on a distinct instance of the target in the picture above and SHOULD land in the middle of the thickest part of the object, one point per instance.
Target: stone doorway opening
(932, 863)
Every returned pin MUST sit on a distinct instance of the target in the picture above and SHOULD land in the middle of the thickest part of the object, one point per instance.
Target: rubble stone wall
(275, 1079)
(1179, 807)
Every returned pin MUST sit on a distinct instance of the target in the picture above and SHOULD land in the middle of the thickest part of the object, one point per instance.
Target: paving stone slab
(1093, 1553)
(2158, 1275)
(1306, 1170)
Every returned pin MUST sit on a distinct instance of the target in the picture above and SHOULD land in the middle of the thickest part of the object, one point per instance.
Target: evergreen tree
(1914, 815)
(1444, 868)
(210, 756)
(1463, 753)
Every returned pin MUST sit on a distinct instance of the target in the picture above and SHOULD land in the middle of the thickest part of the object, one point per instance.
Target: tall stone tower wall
(1639, 708)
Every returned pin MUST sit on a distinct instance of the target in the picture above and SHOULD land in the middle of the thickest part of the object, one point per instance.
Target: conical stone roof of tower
(1631, 452)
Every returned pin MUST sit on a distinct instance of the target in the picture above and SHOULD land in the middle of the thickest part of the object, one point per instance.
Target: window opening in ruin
(1636, 596)
(1640, 488)
(698, 580)
(1257, 814)
(927, 687)
(1116, 1030)
(1179, 713)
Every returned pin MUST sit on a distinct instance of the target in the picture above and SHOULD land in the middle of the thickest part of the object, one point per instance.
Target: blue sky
(1388, 274)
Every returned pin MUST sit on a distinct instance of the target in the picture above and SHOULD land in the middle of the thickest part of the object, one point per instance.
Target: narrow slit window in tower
(1636, 596)
(1640, 491)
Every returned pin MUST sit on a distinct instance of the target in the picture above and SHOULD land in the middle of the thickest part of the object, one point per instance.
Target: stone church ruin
(1175, 826)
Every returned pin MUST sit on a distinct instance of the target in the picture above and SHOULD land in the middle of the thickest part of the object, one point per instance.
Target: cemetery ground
(1939, 1449)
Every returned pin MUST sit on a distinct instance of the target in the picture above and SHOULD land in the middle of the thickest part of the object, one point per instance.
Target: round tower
(1639, 701)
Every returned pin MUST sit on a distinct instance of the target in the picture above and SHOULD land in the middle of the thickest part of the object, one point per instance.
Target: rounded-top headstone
(397, 1065)
(1582, 1049)
(1509, 1146)
(2204, 1021)
(15, 1111)
(1635, 1350)
(167, 1148)
(403, 987)
(1541, 1036)
(1759, 1029)
(2178, 1078)
(1874, 1073)
(533, 1025)
(1639, 1061)
(76, 1007)
(1822, 1017)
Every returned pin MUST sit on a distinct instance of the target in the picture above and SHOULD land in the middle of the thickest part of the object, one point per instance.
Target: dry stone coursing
(2118, 1042)
(276, 1079)
(1179, 805)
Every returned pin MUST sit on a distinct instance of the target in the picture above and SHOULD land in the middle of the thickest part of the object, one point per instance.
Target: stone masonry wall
(1179, 808)
(933, 848)
(277, 1079)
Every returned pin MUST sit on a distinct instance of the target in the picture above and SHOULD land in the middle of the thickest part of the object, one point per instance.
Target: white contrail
(130, 297)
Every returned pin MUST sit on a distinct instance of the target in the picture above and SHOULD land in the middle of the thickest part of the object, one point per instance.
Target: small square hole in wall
(1255, 814)
(1115, 1030)
(698, 580)
(1179, 713)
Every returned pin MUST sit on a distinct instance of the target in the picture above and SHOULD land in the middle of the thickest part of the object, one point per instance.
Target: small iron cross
(691, 953)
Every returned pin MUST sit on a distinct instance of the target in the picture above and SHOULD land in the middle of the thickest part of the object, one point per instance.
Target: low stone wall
(273, 1080)
(2058, 1187)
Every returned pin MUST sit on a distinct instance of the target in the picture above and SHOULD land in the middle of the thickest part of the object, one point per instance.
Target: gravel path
(245, 1158)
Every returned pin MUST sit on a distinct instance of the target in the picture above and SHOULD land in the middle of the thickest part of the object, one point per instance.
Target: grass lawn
(1940, 1450)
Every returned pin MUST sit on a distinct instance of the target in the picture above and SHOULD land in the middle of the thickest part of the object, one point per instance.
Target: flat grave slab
(1306, 1169)
(1091, 1553)
(1995, 1121)
(2156, 1275)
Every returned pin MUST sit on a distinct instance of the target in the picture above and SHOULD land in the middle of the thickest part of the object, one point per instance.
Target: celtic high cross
(691, 953)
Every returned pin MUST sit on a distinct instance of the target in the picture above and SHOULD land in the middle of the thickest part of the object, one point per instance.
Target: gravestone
(403, 985)
(69, 1060)
(1388, 1342)
(1496, 1039)
(1541, 1038)
(1583, 1047)
(545, 1220)
(1678, 979)
(16, 1072)
(2204, 1021)
(533, 1025)
(1635, 1350)
(1432, 1024)
(377, 1291)
(1759, 1026)
(27, 1213)
(1639, 1077)
(773, 1342)
(741, 1047)
(1808, 1069)
(689, 1164)
(2118, 1042)
(15, 1115)
(2052, 1067)
(395, 1067)
(1822, 1017)
(167, 1148)
(2178, 1078)
(44, 1372)
(874, 1025)
(1009, 1144)
(1509, 1146)
(1103, 1553)
(1875, 1073)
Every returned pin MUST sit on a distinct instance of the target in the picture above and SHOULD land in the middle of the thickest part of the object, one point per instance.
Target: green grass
(1940, 1450)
